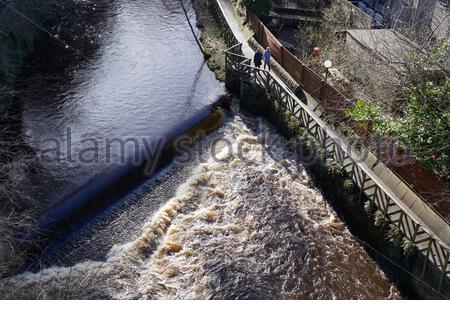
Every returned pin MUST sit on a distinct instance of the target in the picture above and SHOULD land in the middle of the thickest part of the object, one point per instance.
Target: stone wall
(361, 20)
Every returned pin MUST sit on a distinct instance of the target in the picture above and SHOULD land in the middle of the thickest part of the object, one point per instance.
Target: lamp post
(327, 64)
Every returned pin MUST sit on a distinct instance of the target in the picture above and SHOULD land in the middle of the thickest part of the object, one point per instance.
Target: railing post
(241, 89)
(267, 80)
(424, 267)
(227, 65)
(444, 271)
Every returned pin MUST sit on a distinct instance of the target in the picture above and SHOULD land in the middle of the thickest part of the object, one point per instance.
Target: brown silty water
(247, 224)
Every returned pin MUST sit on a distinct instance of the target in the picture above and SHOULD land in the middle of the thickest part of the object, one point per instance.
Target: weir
(246, 223)
(124, 88)
(107, 188)
(405, 212)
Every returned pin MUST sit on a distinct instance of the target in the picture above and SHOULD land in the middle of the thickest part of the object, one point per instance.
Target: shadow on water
(129, 71)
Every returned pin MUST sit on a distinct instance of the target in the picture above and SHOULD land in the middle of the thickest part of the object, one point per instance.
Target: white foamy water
(247, 224)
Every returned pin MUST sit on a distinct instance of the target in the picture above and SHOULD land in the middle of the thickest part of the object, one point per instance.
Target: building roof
(389, 45)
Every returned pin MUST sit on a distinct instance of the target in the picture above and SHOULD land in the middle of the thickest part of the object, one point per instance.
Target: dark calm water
(145, 79)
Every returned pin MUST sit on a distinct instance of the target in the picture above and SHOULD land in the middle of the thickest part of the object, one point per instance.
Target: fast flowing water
(248, 223)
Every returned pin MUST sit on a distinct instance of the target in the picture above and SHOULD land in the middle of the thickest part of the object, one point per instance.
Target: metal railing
(334, 103)
(338, 148)
(435, 252)
(227, 33)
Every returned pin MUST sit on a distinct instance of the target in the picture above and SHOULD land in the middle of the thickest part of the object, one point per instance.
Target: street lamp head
(327, 64)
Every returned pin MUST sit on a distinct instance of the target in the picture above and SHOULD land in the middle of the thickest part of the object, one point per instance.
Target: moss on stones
(211, 38)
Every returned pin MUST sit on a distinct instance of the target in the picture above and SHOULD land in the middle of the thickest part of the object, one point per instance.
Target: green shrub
(425, 124)
(333, 167)
(371, 114)
(394, 235)
(368, 208)
(422, 124)
(380, 219)
(348, 184)
(408, 247)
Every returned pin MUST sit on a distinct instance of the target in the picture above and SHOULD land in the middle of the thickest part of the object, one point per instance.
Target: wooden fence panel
(293, 66)
(311, 82)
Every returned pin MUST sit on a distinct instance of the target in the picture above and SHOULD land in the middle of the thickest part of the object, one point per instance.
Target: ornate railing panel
(397, 214)
(338, 148)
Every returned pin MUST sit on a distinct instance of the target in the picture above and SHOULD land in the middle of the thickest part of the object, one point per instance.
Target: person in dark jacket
(257, 59)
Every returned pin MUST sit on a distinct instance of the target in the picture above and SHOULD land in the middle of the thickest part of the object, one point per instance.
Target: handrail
(316, 86)
(411, 225)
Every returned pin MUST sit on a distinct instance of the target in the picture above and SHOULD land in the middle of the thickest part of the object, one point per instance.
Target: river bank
(211, 38)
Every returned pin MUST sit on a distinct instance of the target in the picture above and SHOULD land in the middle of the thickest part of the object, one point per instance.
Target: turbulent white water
(246, 224)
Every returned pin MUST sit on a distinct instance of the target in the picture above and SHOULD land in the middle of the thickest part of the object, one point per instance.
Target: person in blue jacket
(267, 56)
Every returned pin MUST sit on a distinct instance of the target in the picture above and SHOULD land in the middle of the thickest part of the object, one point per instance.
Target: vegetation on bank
(17, 40)
(422, 123)
(211, 38)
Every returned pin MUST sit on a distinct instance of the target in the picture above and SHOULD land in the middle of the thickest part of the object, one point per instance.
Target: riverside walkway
(405, 210)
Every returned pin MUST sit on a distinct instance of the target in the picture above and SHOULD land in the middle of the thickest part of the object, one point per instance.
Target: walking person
(257, 59)
(267, 56)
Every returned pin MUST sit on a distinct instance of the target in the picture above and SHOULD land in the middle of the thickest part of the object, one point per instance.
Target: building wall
(418, 18)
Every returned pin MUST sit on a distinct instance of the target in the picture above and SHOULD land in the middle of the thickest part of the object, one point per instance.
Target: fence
(435, 253)
(399, 216)
(425, 183)
(310, 81)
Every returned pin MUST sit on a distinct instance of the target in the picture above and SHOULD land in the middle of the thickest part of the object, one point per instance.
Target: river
(238, 219)
(146, 79)
(247, 223)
